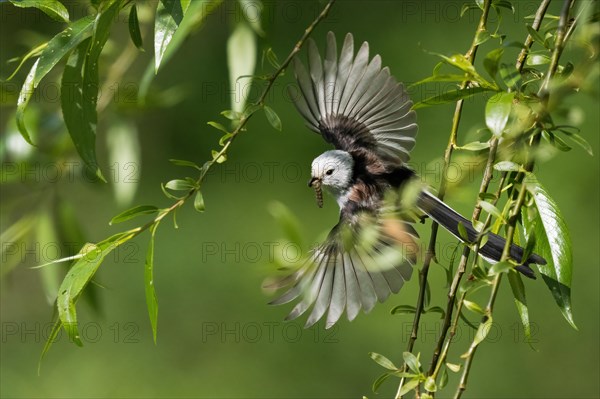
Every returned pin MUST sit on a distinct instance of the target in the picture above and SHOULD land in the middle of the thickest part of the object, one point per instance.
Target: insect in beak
(315, 183)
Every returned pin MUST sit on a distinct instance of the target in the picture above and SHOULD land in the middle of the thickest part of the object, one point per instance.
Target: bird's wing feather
(366, 257)
(354, 103)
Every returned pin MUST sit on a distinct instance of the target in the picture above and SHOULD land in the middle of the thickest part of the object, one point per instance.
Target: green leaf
(473, 307)
(181, 162)
(81, 81)
(78, 109)
(272, 58)
(78, 276)
(554, 244)
(535, 35)
(583, 143)
(287, 220)
(61, 44)
(218, 126)
(180, 185)
(134, 212)
(483, 330)
(272, 117)
(383, 361)
(412, 362)
(194, 15)
(169, 15)
(241, 61)
(443, 378)
(134, 28)
(34, 52)
(507, 166)
(436, 309)
(24, 97)
(491, 209)
(455, 368)
(403, 309)
(409, 386)
(199, 202)
(500, 267)
(504, 4)
(441, 78)
(497, 111)
(380, 380)
(538, 59)
(430, 384)
(218, 158)
(475, 146)
(151, 300)
(51, 338)
(462, 232)
(510, 75)
(232, 115)
(482, 37)
(518, 291)
(52, 8)
(491, 61)
(451, 96)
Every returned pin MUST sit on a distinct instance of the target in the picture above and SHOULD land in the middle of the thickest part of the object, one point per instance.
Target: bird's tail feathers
(491, 250)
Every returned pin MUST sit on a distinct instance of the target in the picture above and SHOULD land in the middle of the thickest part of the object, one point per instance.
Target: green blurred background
(217, 338)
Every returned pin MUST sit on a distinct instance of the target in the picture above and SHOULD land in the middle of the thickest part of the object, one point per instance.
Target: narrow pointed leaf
(409, 386)
(199, 202)
(134, 212)
(169, 15)
(497, 111)
(383, 361)
(412, 362)
(450, 96)
(50, 341)
(483, 330)
(52, 8)
(380, 380)
(61, 44)
(77, 278)
(23, 100)
(273, 118)
(510, 75)
(554, 244)
(491, 62)
(518, 291)
(151, 301)
(475, 146)
(134, 28)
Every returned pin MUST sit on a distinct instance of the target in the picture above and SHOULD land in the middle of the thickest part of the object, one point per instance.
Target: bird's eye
(329, 172)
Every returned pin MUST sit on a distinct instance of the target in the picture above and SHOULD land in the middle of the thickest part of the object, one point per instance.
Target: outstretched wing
(365, 258)
(356, 105)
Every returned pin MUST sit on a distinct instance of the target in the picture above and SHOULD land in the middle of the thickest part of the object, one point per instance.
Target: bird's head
(333, 170)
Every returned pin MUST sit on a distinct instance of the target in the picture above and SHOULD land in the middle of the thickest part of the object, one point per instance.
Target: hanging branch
(516, 209)
(430, 254)
(91, 256)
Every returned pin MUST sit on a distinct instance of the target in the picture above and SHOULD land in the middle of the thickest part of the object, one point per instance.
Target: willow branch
(512, 221)
(239, 128)
(430, 254)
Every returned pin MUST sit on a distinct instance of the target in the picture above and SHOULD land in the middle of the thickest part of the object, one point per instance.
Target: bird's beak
(315, 183)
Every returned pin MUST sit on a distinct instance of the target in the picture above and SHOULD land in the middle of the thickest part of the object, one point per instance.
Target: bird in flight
(362, 110)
